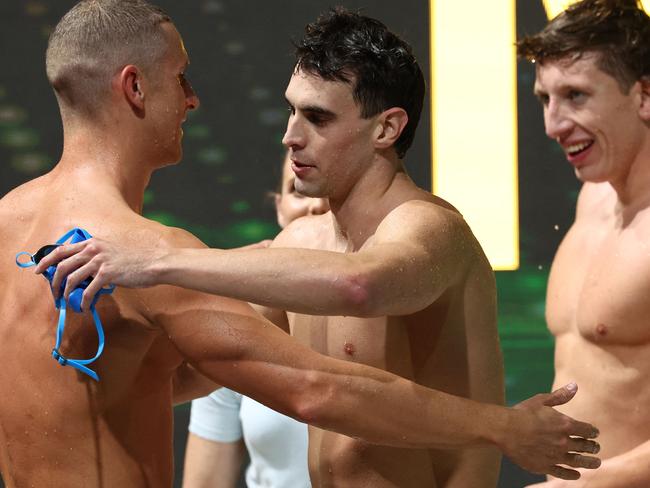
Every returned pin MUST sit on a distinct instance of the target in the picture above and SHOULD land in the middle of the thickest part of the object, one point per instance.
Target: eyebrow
(313, 109)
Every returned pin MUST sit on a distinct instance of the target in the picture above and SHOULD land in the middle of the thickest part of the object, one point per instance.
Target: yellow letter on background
(474, 119)
(554, 7)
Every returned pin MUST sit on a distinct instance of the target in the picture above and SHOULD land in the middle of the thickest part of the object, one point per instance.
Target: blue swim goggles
(74, 300)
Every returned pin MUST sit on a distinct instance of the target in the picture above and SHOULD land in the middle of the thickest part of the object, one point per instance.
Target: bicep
(411, 264)
(232, 345)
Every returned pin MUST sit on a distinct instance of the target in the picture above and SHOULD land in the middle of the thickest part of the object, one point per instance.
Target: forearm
(298, 280)
(376, 406)
(262, 362)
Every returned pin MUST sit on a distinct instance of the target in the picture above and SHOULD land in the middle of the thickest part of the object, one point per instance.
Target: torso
(598, 309)
(57, 426)
(433, 347)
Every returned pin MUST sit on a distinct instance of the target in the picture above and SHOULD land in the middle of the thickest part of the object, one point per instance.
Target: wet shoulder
(425, 217)
(19, 212)
(135, 230)
(21, 201)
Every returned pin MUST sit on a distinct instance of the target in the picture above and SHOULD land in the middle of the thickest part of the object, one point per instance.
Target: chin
(310, 191)
(590, 175)
(171, 160)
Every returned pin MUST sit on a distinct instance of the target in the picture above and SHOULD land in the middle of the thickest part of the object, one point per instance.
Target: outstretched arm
(226, 341)
(416, 253)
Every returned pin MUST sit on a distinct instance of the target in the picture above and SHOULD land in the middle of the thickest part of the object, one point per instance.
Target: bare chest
(401, 345)
(600, 287)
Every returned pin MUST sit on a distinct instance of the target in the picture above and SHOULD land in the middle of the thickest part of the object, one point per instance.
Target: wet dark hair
(617, 30)
(346, 46)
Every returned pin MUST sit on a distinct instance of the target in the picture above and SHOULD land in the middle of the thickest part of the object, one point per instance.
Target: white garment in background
(277, 444)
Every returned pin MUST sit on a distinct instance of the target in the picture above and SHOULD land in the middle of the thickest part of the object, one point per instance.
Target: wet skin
(597, 305)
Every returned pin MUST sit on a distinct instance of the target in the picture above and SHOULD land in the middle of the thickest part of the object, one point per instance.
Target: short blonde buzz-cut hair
(95, 40)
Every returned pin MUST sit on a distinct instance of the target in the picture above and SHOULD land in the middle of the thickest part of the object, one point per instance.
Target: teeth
(577, 147)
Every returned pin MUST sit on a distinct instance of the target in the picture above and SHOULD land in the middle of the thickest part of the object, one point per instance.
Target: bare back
(58, 426)
(450, 345)
(598, 309)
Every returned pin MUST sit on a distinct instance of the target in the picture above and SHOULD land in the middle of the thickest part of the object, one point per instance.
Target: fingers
(77, 277)
(576, 460)
(564, 473)
(582, 429)
(578, 444)
(72, 269)
(557, 397)
(59, 254)
(561, 395)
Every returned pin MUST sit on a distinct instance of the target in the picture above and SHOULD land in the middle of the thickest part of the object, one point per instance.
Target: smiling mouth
(577, 149)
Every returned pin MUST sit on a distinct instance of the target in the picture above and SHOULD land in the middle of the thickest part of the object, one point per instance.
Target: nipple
(349, 348)
(601, 330)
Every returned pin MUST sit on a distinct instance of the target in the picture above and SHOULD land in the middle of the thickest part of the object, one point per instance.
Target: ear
(644, 109)
(391, 123)
(132, 86)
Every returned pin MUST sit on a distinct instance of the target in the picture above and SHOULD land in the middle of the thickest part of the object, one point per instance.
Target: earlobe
(390, 127)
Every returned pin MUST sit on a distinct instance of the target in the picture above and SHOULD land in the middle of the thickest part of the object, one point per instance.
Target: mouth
(577, 151)
(299, 168)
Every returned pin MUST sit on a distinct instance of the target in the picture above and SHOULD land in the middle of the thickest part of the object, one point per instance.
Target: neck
(107, 159)
(632, 187)
(358, 212)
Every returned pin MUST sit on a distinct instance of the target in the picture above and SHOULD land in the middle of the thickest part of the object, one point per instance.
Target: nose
(556, 123)
(318, 206)
(191, 98)
(293, 137)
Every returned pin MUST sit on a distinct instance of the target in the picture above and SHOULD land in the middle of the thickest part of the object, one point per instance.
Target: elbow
(357, 296)
(316, 400)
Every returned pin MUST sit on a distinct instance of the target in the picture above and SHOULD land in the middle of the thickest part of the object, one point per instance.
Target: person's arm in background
(212, 464)
(215, 449)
